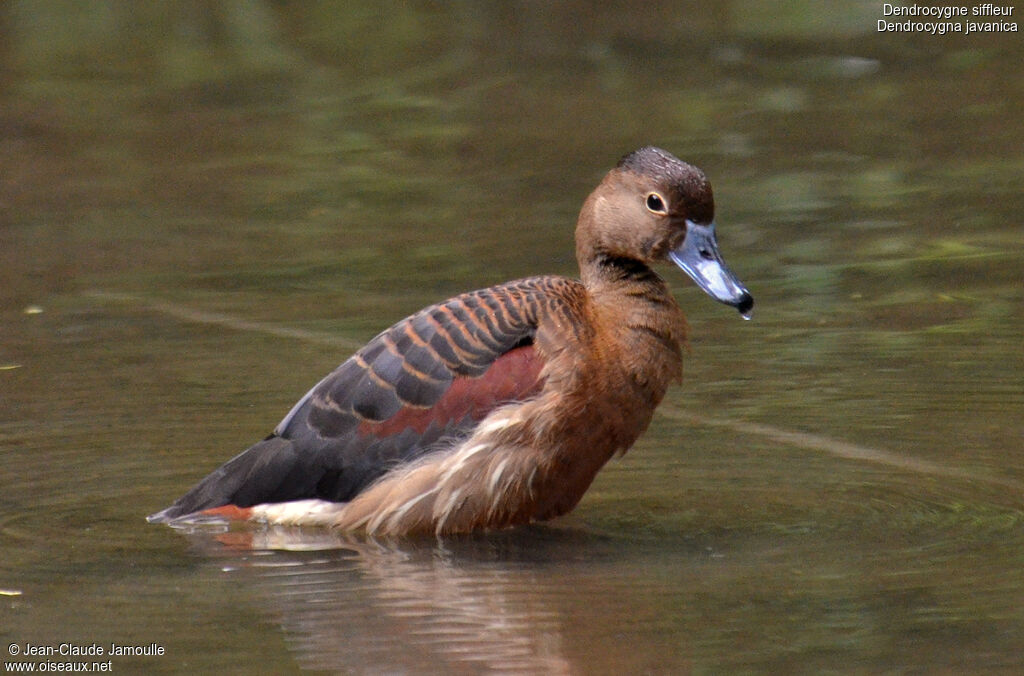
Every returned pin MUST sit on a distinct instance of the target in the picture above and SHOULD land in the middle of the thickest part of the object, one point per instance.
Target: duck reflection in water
(497, 407)
(500, 602)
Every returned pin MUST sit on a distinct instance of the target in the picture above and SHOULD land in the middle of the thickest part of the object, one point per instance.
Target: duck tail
(243, 481)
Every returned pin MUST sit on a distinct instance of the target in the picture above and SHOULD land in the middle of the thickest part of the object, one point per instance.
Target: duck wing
(424, 383)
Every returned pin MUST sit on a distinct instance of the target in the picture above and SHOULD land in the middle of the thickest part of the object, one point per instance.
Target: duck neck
(635, 311)
(612, 278)
(606, 270)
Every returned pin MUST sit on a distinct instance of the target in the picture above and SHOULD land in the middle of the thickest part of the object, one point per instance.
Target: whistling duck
(497, 407)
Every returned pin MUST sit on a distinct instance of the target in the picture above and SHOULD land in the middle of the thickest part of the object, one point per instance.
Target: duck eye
(655, 203)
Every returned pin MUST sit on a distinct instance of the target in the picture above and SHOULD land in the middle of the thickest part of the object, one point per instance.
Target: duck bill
(698, 256)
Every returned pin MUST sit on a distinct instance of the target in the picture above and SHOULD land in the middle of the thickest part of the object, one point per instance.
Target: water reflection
(460, 606)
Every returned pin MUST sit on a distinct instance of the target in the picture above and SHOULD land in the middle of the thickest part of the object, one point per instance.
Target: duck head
(654, 207)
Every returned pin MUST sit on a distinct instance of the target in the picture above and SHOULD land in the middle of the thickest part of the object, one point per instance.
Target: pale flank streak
(453, 464)
(394, 515)
(442, 515)
(492, 484)
(429, 494)
(310, 512)
(496, 422)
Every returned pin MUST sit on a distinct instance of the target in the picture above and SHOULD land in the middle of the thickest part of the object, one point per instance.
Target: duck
(498, 407)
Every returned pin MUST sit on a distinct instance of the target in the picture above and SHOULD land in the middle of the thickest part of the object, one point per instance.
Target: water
(203, 209)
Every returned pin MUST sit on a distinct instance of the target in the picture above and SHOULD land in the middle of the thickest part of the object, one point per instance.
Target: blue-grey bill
(699, 257)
